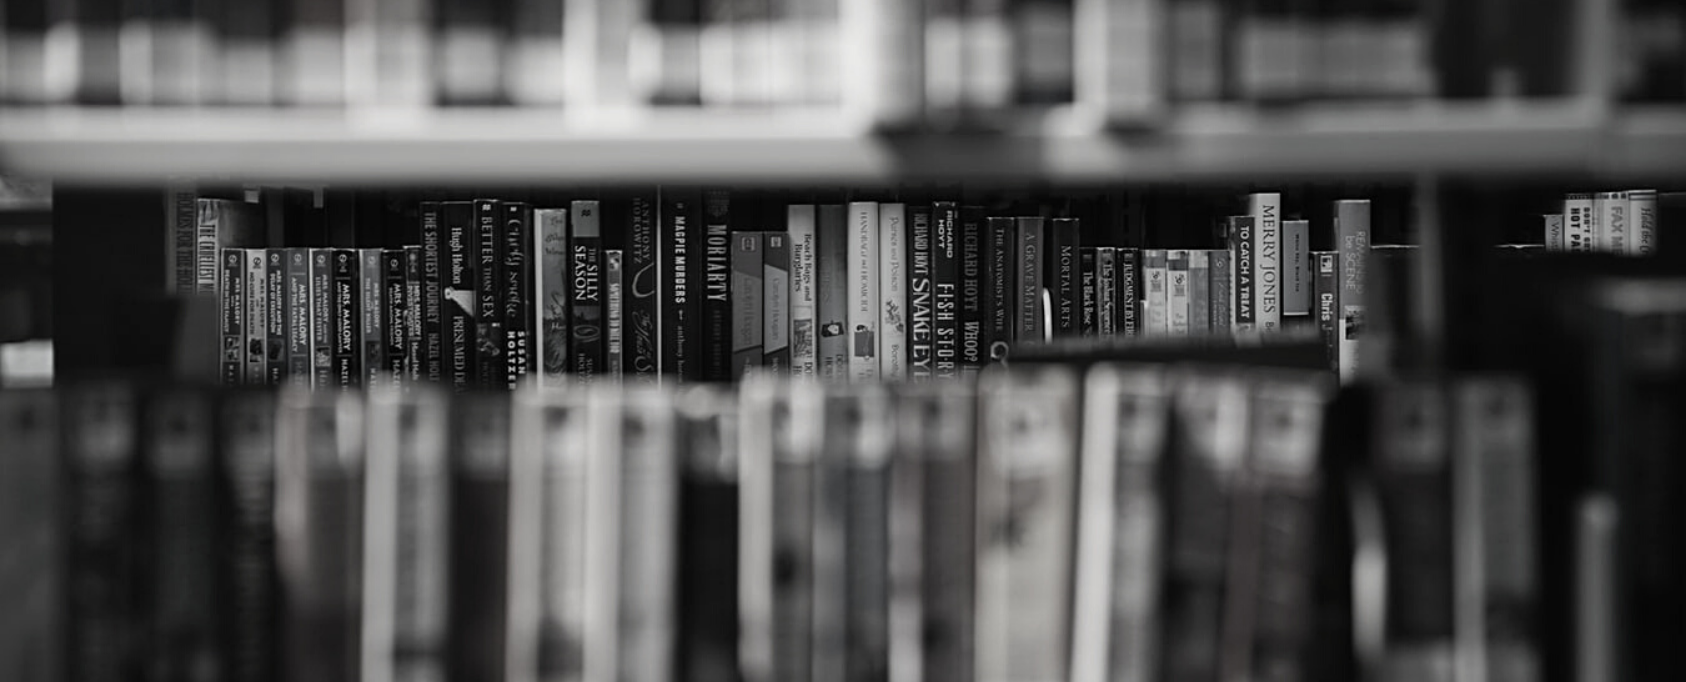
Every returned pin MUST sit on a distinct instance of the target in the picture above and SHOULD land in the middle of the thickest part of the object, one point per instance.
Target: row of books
(1611, 222)
(682, 284)
(1130, 522)
(898, 62)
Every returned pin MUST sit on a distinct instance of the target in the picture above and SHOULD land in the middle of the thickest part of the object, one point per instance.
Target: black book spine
(248, 580)
(488, 290)
(275, 279)
(586, 290)
(233, 316)
(921, 297)
(831, 273)
(416, 359)
(1413, 484)
(708, 541)
(644, 288)
(716, 340)
(974, 350)
(679, 287)
(457, 298)
(393, 271)
(101, 440)
(433, 302)
(1028, 282)
(182, 626)
(945, 285)
(348, 357)
(517, 291)
(371, 307)
(1127, 301)
(1241, 244)
(999, 275)
(746, 305)
(1065, 275)
(297, 314)
(775, 301)
(478, 538)
(322, 318)
(1087, 299)
(1326, 287)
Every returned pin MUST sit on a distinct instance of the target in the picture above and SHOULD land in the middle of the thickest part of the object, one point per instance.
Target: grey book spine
(551, 281)
(775, 302)
(1241, 248)
(1220, 267)
(832, 305)
(182, 528)
(1326, 288)
(433, 299)
(747, 302)
(371, 289)
(945, 285)
(974, 349)
(858, 435)
(233, 318)
(515, 278)
(938, 436)
(614, 320)
(1266, 211)
(1199, 293)
(1029, 313)
(644, 287)
(1106, 291)
(457, 293)
(488, 294)
(1000, 240)
(1296, 267)
(321, 318)
(586, 293)
(275, 347)
(257, 316)
(347, 320)
(415, 355)
(318, 485)
(100, 452)
(1156, 293)
(716, 341)
(1352, 241)
(478, 536)
(1128, 300)
(33, 578)
(297, 314)
(921, 297)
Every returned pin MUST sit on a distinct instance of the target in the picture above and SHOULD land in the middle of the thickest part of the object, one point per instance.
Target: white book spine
(1580, 224)
(1642, 222)
(892, 291)
(603, 531)
(1266, 209)
(1553, 231)
(648, 537)
(804, 330)
(862, 296)
(1176, 291)
(561, 473)
(758, 400)
(1156, 303)
(1610, 210)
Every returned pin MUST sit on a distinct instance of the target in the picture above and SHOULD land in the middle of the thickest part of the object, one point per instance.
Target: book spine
(1127, 302)
(1087, 309)
(371, 291)
(296, 314)
(415, 356)
(862, 296)
(346, 319)
(1199, 293)
(586, 290)
(747, 304)
(405, 555)
(101, 534)
(1352, 234)
(1580, 224)
(551, 280)
(974, 349)
(206, 251)
(1642, 222)
(181, 205)
(233, 327)
(489, 368)
(322, 336)
(478, 537)
(1156, 267)
(1265, 209)
(563, 486)
(894, 354)
(1413, 485)
(1296, 268)
(644, 286)
(804, 291)
(180, 488)
(947, 516)
(832, 492)
(1064, 271)
(1106, 291)
(517, 283)
(433, 296)
(1552, 225)
(247, 561)
(678, 298)
(858, 447)
(716, 341)
(776, 302)
(1220, 268)
(831, 254)
(921, 298)
(614, 321)
(1024, 545)
(275, 316)
(1000, 238)
(1241, 247)
(945, 285)
(1327, 290)
(1177, 292)
(1609, 209)
(1028, 290)
(648, 520)
(458, 298)
(257, 317)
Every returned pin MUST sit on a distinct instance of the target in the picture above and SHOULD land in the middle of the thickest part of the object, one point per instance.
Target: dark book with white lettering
(974, 349)
(775, 302)
(1241, 246)
(642, 290)
(257, 316)
(296, 314)
(1087, 304)
(1326, 294)
(478, 568)
(1065, 276)
(322, 318)
(585, 239)
(101, 511)
(458, 299)
(488, 352)
(345, 311)
(1127, 264)
(1029, 286)
(278, 306)
(945, 287)
(415, 357)
(1352, 242)
(614, 323)
(715, 343)
(516, 281)
(747, 305)
(233, 319)
(831, 305)
(921, 295)
(372, 307)
(1000, 243)
(435, 260)
(679, 315)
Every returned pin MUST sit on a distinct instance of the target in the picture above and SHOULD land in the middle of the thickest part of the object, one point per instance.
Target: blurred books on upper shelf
(939, 63)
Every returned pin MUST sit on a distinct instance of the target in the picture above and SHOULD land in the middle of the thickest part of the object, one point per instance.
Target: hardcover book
(458, 298)
(1266, 211)
(831, 297)
(516, 282)
(974, 348)
(585, 325)
(945, 285)
(747, 304)
(489, 367)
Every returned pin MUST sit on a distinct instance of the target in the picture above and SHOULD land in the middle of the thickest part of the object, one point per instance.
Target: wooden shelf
(805, 147)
